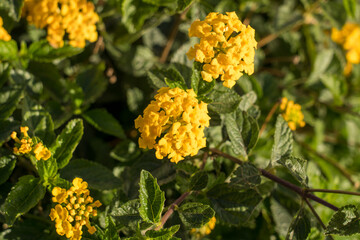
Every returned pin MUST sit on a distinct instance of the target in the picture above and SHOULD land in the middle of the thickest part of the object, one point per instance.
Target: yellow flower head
(227, 47)
(73, 210)
(349, 38)
(173, 124)
(291, 112)
(4, 35)
(76, 18)
(199, 233)
(26, 145)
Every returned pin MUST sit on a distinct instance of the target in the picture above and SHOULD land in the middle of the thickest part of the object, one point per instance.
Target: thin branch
(315, 213)
(268, 118)
(302, 192)
(179, 18)
(170, 211)
(204, 159)
(333, 191)
(331, 161)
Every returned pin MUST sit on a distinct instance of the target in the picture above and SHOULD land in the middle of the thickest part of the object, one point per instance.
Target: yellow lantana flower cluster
(199, 233)
(292, 114)
(173, 124)
(26, 144)
(73, 210)
(73, 17)
(4, 35)
(227, 47)
(349, 38)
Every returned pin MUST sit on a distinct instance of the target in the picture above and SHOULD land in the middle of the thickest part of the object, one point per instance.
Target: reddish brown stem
(268, 118)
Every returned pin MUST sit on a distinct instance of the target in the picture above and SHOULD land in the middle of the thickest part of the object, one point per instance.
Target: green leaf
(4, 74)
(243, 132)
(134, 14)
(105, 122)
(195, 215)
(95, 174)
(246, 175)
(345, 221)
(198, 181)
(93, 83)
(200, 86)
(42, 51)
(110, 232)
(322, 61)
(47, 169)
(13, 8)
(66, 142)
(283, 140)
(7, 165)
(38, 120)
(247, 101)
(127, 213)
(297, 168)
(151, 198)
(350, 7)
(162, 234)
(9, 98)
(27, 192)
(224, 100)
(156, 79)
(174, 79)
(300, 226)
(182, 4)
(30, 229)
(164, 3)
(233, 204)
(125, 151)
(8, 50)
(6, 128)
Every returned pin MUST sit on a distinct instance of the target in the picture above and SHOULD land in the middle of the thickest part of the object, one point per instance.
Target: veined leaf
(9, 98)
(105, 122)
(283, 140)
(151, 198)
(42, 51)
(67, 141)
(23, 196)
(247, 101)
(195, 215)
(300, 226)
(345, 222)
(246, 175)
(47, 168)
(110, 232)
(95, 174)
(174, 79)
(127, 213)
(7, 165)
(198, 181)
(200, 86)
(296, 167)
(162, 234)
(224, 100)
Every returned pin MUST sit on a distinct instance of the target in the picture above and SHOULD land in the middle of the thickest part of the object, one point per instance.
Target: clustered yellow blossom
(73, 210)
(199, 233)
(26, 145)
(349, 38)
(4, 35)
(174, 124)
(227, 47)
(292, 114)
(76, 18)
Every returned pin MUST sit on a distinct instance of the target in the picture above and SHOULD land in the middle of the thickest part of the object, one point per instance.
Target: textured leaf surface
(23, 196)
(67, 141)
(247, 175)
(345, 222)
(97, 176)
(198, 181)
(105, 122)
(47, 169)
(224, 100)
(42, 51)
(162, 234)
(127, 213)
(300, 227)
(7, 165)
(283, 140)
(151, 198)
(297, 168)
(9, 98)
(195, 214)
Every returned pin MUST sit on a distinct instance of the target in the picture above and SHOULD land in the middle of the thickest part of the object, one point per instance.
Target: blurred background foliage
(111, 81)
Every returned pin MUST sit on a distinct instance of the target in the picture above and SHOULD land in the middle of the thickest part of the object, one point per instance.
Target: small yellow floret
(69, 216)
(174, 124)
(4, 35)
(204, 230)
(349, 38)
(227, 47)
(76, 18)
(291, 112)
